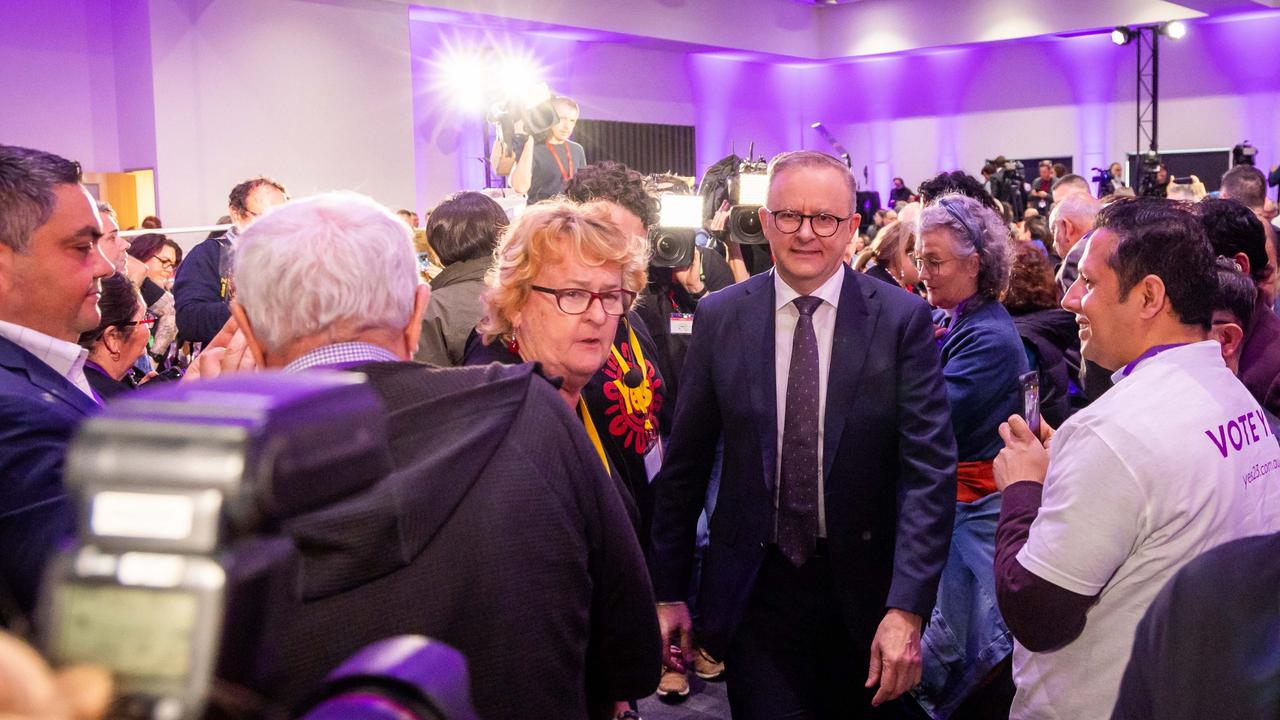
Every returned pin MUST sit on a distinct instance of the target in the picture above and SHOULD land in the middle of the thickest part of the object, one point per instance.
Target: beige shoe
(673, 684)
(707, 667)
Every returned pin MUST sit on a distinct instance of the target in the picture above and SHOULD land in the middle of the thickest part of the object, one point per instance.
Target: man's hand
(1024, 456)
(895, 655)
(228, 352)
(691, 277)
(676, 627)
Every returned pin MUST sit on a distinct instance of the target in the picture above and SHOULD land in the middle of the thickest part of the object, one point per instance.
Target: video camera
(1148, 185)
(1008, 184)
(535, 111)
(673, 239)
(166, 482)
(749, 190)
(1102, 178)
(1243, 154)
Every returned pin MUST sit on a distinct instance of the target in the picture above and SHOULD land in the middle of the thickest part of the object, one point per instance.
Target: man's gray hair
(336, 258)
(975, 229)
(813, 159)
(1080, 208)
(27, 180)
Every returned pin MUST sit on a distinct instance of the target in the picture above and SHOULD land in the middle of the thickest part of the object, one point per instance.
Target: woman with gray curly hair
(962, 252)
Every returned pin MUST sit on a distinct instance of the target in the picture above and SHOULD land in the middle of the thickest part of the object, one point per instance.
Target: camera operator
(1042, 188)
(546, 162)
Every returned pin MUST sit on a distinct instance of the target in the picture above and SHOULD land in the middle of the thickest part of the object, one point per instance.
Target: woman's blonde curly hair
(545, 234)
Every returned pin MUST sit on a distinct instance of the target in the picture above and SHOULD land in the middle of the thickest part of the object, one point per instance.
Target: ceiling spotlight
(1121, 36)
(1176, 29)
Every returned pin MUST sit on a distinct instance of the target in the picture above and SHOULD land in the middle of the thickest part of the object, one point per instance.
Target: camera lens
(749, 223)
(666, 248)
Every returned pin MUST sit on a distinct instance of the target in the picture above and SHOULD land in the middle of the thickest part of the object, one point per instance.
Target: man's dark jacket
(452, 314)
(498, 533)
(39, 410)
(889, 457)
(200, 298)
(1260, 357)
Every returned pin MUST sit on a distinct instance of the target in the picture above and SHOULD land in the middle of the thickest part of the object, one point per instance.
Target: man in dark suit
(50, 265)
(202, 288)
(498, 532)
(838, 490)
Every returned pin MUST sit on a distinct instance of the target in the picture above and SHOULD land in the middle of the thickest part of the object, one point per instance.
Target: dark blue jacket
(39, 409)
(202, 303)
(888, 457)
(982, 357)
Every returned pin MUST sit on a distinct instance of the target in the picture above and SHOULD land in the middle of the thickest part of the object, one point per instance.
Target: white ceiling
(799, 29)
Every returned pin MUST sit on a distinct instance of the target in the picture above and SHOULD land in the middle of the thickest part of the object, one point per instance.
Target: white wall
(57, 78)
(315, 94)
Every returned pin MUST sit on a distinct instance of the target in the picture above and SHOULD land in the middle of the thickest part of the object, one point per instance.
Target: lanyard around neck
(590, 425)
(568, 155)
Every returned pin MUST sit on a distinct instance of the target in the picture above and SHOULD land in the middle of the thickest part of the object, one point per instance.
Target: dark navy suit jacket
(39, 409)
(889, 457)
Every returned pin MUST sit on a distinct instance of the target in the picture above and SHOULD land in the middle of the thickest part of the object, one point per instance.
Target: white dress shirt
(824, 328)
(66, 358)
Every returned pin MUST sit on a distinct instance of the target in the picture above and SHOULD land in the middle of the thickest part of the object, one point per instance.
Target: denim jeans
(966, 637)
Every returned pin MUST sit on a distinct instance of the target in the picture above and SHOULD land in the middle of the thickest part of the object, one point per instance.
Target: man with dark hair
(547, 163)
(463, 230)
(900, 192)
(50, 268)
(202, 288)
(956, 182)
(838, 491)
(1246, 185)
(1237, 234)
(1151, 474)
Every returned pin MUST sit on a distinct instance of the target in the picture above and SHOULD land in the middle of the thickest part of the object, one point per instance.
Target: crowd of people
(830, 482)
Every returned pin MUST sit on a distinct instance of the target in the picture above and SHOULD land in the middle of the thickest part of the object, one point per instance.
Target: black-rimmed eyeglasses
(575, 301)
(822, 224)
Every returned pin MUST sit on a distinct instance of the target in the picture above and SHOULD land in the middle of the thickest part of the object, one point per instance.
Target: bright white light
(1176, 29)
(680, 211)
(464, 77)
(753, 189)
(1119, 37)
(520, 77)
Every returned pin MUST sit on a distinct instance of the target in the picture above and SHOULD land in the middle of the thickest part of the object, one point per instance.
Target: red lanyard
(568, 155)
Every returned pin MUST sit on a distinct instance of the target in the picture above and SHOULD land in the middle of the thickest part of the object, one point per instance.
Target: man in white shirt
(50, 266)
(1172, 461)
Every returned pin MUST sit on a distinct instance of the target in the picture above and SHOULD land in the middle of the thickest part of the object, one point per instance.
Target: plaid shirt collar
(341, 355)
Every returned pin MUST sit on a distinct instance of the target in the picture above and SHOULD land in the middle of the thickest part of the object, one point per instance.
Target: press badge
(653, 460)
(681, 323)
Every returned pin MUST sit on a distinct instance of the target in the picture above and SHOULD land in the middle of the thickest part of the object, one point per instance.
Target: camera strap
(568, 155)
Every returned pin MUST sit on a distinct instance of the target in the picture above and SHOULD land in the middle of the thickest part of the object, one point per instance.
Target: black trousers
(792, 656)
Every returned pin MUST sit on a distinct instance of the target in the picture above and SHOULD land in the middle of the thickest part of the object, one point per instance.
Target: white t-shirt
(1174, 460)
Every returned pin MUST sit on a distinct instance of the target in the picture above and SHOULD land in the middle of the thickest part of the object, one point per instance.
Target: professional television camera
(672, 240)
(748, 190)
(166, 483)
(1102, 178)
(1009, 183)
(1243, 154)
(1148, 183)
(535, 111)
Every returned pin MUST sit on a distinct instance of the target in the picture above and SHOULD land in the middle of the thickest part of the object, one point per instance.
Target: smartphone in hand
(1030, 383)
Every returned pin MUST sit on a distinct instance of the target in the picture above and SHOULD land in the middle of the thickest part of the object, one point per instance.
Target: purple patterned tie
(798, 479)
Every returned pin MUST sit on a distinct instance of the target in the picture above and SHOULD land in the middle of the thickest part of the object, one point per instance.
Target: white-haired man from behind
(559, 624)
(1070, 220)
(333, 282)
